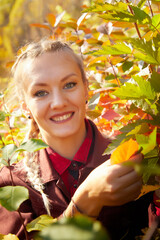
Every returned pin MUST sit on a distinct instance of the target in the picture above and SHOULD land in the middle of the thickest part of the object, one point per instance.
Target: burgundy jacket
(126, 220)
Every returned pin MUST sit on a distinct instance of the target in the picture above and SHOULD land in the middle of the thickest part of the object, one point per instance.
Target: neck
(66, 147)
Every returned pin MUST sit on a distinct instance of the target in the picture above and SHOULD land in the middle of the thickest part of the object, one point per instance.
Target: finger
(134, 189)
(137, 158)
(132, 192)
(129, 179)
(119, 170)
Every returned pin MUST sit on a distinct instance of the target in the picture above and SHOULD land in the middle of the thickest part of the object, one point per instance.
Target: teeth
(61, 118)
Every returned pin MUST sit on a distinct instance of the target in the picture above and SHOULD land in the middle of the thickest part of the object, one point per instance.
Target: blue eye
(41, 93)
(70, 85)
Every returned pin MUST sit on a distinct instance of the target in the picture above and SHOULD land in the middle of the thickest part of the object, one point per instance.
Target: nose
(58, 100)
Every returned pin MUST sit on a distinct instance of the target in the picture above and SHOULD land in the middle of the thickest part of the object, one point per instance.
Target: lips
(62, 117)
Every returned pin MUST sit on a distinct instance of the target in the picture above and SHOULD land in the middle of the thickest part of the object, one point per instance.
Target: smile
(62, 118)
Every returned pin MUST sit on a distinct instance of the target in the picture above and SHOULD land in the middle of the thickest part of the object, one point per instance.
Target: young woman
(71, 175)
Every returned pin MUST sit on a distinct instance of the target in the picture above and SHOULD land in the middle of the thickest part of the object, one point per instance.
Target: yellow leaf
(8, 237)
(124, 151)
(148, 188)
(51, 19)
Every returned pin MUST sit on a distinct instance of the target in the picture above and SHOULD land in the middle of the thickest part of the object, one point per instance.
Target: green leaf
(11, 197)
(148, 143)
(115, 143)
(148, 58)
(147, 170)
(76, 228)
(139, 129)
(154, 81)
(144, 50)
(32, 145)
(141, 16)
(110, 77)
(132, 91)
(94, 101)
(128, 91)
(8, 154)
(127, 65)
(150, 160)
(119, 16)
(40, 222)
(122, 7)
(145, 87)
(2, 116)
(134, 128)
(117, 49)
(141, 3)
(156, 21)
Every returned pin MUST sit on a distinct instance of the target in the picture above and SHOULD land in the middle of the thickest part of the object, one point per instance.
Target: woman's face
(55, 95)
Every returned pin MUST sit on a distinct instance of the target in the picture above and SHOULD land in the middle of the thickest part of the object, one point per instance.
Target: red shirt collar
(60, 163)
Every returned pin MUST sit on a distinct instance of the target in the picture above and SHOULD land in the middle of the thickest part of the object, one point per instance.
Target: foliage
(40, 223)
(73, 229)
(11, 197)
(15, 19)
(119, 43)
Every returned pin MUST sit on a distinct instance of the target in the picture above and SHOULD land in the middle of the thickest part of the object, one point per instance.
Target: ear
(25, 109)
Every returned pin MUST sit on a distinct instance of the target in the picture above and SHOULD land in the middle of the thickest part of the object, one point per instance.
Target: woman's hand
(108, 185)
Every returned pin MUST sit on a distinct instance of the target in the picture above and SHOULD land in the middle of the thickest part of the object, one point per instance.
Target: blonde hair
(30, 52)
(36, 49)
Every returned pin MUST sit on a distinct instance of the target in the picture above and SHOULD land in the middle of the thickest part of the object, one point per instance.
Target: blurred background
(15, 29)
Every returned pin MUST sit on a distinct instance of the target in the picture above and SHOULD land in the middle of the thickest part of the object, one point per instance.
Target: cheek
(36, 108)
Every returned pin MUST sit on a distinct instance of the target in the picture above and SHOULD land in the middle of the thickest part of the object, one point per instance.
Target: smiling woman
(55, 98)
(71, 175)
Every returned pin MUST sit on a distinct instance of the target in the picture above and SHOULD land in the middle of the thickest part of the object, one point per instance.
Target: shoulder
(100, 142)
(99, 137)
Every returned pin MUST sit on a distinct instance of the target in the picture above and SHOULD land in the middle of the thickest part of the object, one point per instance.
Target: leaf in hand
(124, 151)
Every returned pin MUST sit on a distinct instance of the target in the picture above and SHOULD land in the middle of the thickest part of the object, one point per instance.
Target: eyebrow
(63, 79)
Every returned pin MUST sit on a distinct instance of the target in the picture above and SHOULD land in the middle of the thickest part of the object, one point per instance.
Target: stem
(135, 24)
(151, 157)
(155, 28)
(150, 8)
(25, 231)
(11, 175)
(109, 60)
(21, 218)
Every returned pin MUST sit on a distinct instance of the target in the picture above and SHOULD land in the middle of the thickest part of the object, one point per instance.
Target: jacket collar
(99, 144)
(48, 173)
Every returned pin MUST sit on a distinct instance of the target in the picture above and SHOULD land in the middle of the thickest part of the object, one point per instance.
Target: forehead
(47, 63)
(51, 59)
(48, 68)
